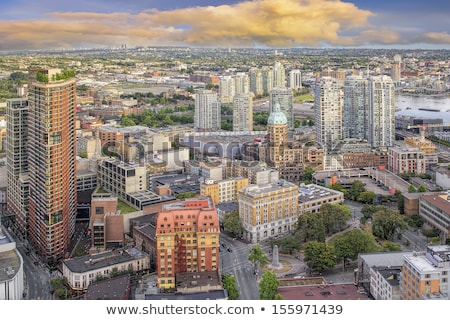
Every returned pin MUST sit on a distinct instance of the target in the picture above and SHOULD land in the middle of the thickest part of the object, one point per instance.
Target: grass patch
(125, 207)
(101, 191)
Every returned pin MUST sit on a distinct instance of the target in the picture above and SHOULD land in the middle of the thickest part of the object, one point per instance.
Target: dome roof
(276, 116)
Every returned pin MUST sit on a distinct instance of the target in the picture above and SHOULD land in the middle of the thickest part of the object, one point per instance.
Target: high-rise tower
(207, 111)
(243, 112)
(381, 112)
(328, 111)
(279, 75)
(295, 79)
(52, 160)
(17, 156)
(356, 108)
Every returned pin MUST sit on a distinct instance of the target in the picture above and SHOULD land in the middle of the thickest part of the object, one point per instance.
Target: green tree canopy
(356, 188)
(388, 223)
(268, 286)
(318, 256)
(422, 188)
(307, 174)
(232, 222)
(310, 227)
(257, 256)
(334, 217)
(352, 243)
(288, 245)
(366, 197)
(229, 284)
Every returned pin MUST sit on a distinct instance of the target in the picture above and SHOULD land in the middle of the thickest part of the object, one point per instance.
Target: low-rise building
(83, 271)
(312, 196)
(406, 159)
(426, 275)
(223, 190)
(11, 269)
(434, 208)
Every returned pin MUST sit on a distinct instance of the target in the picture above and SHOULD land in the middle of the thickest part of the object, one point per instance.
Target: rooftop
(109, 258)
(260, 189)
(312, 191)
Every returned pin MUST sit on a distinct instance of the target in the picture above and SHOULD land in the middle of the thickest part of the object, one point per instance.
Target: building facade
(328, 112)
(243, 112)
(223, 190)
(425, 275)
(52, 161)
(207, 111)
(356, 108)
(381, 112)
(17, 190)
(187, 239)
(268, 210)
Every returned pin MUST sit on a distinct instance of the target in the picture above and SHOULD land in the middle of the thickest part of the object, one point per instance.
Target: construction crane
(423, 127)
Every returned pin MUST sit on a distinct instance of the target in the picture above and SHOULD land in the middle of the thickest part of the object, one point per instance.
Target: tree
(352, 243)
(288, 245)
(310, 227)
(400, 202)
(388, 223)
(334, 217)
(62, 293)
(391, 246)
(411, 189)
(422, 188)
(307, 174)
(415, 221)
(356, 188)
(258, 257)
(366, 197)
(232, 222)
(229, 284)
(268, 286)
(318, 256)
(368, 210)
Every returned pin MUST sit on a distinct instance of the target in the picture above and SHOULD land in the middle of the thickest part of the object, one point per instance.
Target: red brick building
(187, 235)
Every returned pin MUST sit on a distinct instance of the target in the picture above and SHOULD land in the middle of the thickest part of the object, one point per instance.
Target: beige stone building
(268, 210)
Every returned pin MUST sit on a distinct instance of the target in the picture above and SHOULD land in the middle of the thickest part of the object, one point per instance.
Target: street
(236, 263)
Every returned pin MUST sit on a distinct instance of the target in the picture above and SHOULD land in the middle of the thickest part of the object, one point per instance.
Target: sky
(61, 24)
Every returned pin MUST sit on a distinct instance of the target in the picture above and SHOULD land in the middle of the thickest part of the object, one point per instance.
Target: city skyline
(27, 25)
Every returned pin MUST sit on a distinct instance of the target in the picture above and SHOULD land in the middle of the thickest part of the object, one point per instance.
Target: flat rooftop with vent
(11, 268)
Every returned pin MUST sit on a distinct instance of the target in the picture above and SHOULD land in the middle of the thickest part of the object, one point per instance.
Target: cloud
(270, 23)
(435, 38)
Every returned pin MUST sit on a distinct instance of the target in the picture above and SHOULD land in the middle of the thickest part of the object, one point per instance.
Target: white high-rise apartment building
(227, 89)
(267, 78)
(295, 79)
(241, 83)
(328, 111)
(381, 111)
(243, 112)
(256, 81)
(356, 108)
(207, 111)
(17, 155)
(285, 98)
(279, 75)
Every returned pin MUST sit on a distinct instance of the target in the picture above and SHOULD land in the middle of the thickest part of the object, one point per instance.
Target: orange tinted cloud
(280, 23)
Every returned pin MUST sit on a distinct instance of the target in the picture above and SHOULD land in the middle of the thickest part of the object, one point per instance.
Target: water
(409, 105)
